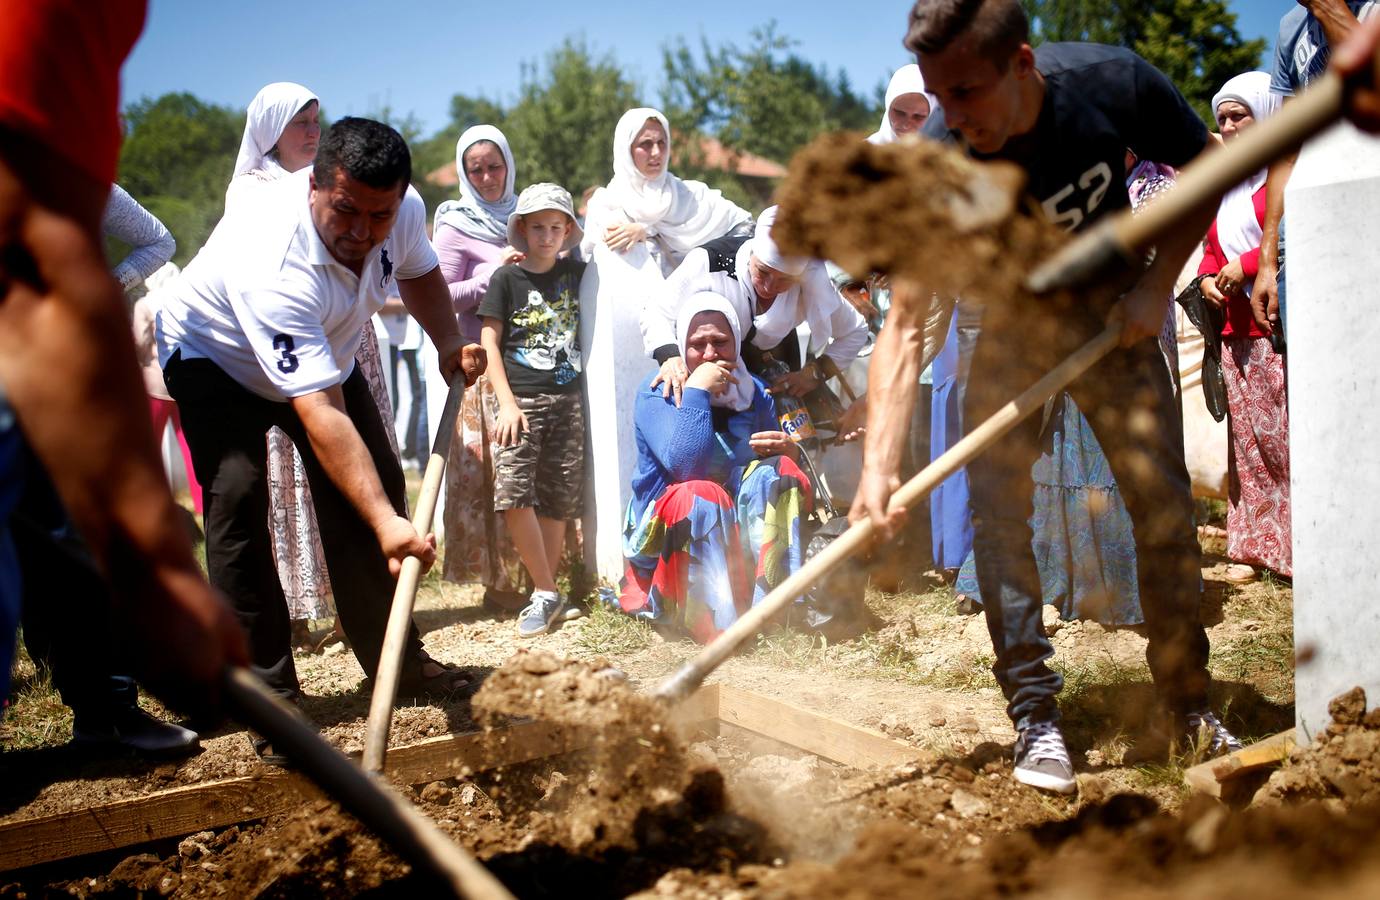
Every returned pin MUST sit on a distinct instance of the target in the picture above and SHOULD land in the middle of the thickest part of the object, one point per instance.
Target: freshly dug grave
(742, 817)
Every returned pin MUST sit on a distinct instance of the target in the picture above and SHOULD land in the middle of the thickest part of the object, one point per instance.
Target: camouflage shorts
(546, 468)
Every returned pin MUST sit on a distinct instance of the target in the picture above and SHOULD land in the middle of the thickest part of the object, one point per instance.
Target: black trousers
(226, 428)
(1129, 401)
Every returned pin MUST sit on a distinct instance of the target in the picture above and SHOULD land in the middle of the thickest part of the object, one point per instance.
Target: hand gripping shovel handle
(689, 677)
(1121, 239)
(412, 835)
(405, 594)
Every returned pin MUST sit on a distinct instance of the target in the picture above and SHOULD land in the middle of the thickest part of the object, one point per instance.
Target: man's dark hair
(367, 151)
(998, 27)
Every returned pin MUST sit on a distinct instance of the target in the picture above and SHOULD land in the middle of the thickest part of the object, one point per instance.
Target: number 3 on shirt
(1097, 179)
(283, 344)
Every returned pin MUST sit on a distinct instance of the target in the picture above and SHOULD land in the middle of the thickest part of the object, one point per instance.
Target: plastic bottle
(791, 411)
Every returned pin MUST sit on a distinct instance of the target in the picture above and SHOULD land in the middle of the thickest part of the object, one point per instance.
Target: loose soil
(654, 813)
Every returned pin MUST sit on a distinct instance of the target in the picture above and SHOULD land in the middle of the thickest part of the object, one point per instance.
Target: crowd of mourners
(302, 360)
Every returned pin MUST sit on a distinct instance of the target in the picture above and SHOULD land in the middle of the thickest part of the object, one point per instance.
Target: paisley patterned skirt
(292, 519)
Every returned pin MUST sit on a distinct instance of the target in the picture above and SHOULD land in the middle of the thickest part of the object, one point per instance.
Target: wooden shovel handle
(375, 803)
(689, 676)
(405, 594)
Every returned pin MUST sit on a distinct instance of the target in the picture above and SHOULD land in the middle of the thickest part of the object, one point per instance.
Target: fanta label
(797, 424)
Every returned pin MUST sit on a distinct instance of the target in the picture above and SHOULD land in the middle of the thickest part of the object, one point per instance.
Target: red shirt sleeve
(60, 75)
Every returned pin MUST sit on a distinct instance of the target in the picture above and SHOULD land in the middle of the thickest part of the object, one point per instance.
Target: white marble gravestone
(1332, 209)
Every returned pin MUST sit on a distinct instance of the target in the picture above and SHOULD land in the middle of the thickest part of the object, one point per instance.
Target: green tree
(1194, 42)
(176, 160)
(561, 127)
(762, 99)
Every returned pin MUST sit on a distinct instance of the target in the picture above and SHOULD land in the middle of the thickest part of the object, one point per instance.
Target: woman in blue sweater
(718, 498)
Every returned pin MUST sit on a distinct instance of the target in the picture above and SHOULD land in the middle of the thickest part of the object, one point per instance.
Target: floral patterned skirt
(477, 545)
(700, 558)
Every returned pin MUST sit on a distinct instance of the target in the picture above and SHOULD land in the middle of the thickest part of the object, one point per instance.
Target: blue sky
(412, 55)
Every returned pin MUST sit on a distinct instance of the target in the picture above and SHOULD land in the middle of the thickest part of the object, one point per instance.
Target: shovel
(405, 595)
(412, 835)
(1122, 241)
(692, 674)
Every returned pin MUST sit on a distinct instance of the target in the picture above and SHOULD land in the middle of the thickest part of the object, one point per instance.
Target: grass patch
(37, 718)
(607, 632)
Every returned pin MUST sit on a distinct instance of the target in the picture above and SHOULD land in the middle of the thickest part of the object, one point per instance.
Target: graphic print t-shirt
(1099, 102)
(541, 326)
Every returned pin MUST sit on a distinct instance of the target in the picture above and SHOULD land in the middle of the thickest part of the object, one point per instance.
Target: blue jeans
(1128, 400)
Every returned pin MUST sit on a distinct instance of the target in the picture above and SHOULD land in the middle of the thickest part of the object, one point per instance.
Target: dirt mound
(316, 851)
(1342, 765)
(919, 210)
(633, 762)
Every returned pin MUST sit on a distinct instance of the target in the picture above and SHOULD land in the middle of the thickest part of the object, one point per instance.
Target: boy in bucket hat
(531, 320)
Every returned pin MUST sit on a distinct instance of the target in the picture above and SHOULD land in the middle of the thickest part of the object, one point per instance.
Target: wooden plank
(191, 808)
(1210, 777)
(826, 736)
(197, 807)
(699, 707)
(170, 813)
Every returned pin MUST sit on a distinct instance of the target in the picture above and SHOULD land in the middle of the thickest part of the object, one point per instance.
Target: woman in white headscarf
(281, 132)
(646, 205)
(282, 129)
(1259, 533)
(717, 496)
(471, 239)
(908, 105)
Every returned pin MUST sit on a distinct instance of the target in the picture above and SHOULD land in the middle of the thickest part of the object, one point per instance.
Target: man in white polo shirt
(261, 331)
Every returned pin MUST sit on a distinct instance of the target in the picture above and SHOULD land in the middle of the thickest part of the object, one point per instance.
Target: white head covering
(766, 251)
(739, 396)
(906, 80)
(1238, 229)
(472, 215)
(269, 113)
(684, 214)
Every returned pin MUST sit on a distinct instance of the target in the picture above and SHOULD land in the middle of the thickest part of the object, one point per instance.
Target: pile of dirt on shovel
(919, 210)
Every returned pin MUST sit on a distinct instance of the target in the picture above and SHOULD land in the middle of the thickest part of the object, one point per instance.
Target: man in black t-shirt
(1066, 114)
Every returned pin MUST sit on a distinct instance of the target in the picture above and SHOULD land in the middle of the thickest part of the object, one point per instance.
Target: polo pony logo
(387, 268)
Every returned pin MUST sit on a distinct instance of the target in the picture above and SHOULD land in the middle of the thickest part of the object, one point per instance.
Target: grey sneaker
(1042, 760)
(1206, 736)
(131, 728)
(543, 609)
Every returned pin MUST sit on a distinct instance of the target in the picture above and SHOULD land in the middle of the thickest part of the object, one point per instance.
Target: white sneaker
(1042, 760)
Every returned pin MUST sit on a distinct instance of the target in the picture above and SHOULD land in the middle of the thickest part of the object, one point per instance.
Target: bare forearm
(1275, 183)
(343, 454)
(90, 427)
(893, 377)
(1337, 20)
(427, 298)
(498, 376)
